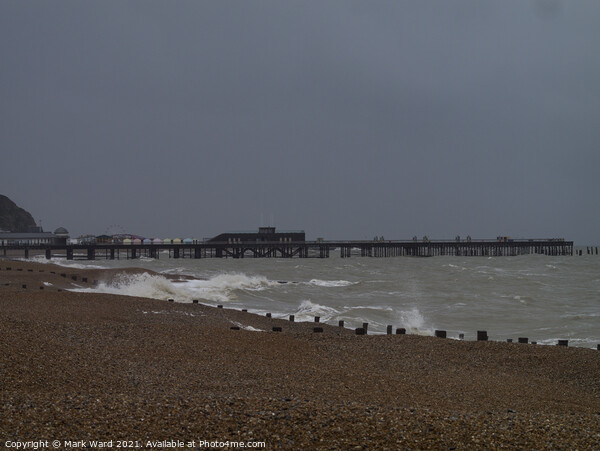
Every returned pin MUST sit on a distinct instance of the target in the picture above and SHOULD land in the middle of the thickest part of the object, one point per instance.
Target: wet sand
(95, 366)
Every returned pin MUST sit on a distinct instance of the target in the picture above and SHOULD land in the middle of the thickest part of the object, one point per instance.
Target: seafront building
(35, 237)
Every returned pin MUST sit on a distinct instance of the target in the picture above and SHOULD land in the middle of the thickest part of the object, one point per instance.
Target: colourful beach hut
(136, 241)
(127, 241)
(188, 241)
(157, 241)
(167, 241)
(147, 241)
(177, 241)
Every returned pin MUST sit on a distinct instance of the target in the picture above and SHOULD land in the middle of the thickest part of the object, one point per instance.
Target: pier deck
(303, 249)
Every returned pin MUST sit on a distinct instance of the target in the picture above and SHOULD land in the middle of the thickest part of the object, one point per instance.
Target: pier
(300, 249)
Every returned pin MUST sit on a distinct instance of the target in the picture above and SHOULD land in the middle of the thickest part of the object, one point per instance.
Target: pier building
(264, 235)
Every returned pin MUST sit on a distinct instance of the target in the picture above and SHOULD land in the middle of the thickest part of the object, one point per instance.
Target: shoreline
(103, 366)
(177, 289)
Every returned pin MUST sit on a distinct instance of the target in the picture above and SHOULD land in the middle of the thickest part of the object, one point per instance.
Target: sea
(544, 298)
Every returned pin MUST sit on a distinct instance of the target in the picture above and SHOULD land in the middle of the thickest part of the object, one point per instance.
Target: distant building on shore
(35, 237)
(264, 234)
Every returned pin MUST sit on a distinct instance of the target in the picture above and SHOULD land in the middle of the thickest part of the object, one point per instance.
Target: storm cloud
(343, 118)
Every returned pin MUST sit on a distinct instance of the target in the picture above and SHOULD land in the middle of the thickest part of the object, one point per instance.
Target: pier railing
(303, 249)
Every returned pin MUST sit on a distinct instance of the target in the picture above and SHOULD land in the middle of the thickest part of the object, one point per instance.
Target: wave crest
(331, 283)
(220, 288)
(308, 310)
(143, 285)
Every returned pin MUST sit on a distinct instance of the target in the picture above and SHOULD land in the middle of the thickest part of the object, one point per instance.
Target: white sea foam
(222, 288)
(379, 308)
(308, 310)
(331, 283)
(178, 271)
(414, 322)
(250, 328)
(176, 312)
(141, 285)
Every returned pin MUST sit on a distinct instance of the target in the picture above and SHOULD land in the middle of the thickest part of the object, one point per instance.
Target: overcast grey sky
(343, 118)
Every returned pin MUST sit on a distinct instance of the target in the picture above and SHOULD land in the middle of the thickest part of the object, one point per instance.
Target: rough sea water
(540, 297)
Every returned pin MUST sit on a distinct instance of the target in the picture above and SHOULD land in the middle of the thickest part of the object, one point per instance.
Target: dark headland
(96, 366)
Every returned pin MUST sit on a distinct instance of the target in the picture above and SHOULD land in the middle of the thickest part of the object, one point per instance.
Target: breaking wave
(140, 285)
(308, 310)
(220, 288)
(414, 322)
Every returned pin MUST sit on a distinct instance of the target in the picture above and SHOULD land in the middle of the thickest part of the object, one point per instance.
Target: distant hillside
(13, 218)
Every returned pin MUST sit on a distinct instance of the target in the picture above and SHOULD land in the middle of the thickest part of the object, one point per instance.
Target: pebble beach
(89, 366)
